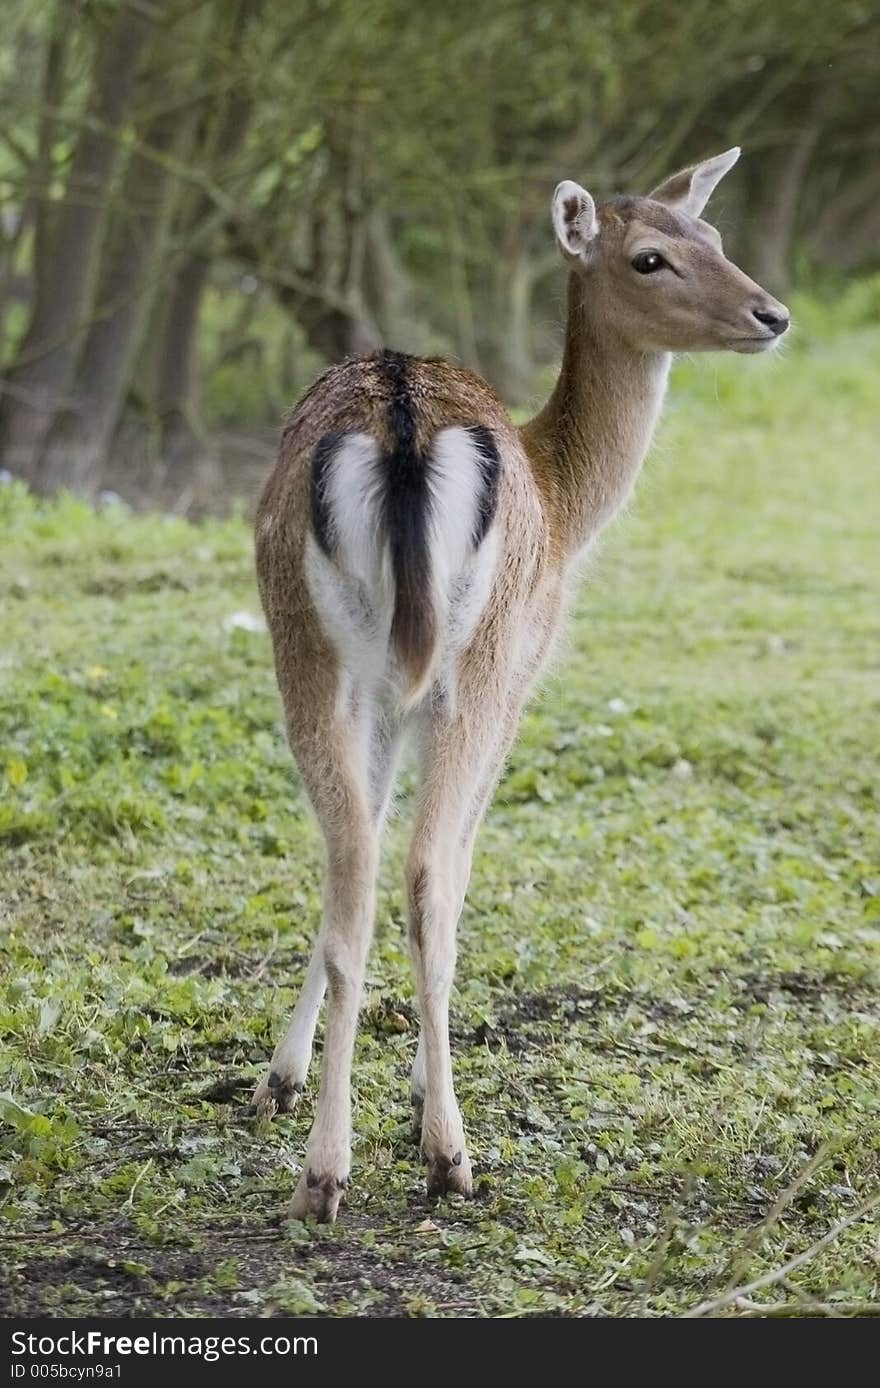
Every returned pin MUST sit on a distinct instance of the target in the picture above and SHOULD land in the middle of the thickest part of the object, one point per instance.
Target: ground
(666, 1015)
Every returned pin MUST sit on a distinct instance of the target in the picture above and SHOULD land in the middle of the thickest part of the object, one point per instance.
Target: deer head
(655, 273)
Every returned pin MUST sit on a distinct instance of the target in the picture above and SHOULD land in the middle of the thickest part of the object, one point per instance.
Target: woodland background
(666, 1020)
(205, 200)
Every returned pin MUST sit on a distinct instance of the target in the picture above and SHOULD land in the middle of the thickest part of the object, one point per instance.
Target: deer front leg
(378, 742)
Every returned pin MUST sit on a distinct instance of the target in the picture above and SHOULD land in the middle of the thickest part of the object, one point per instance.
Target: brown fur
(562, 478)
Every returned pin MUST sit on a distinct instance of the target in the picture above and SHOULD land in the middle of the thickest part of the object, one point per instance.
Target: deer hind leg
(338, 785)
(345, 755)
(349, 903)
(377, 738)
(463, 757)
(491, 766)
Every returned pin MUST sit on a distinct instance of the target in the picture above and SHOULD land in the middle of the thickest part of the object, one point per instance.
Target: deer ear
(690, 190)
(574, 220)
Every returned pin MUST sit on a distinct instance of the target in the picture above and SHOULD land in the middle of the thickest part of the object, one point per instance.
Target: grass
(666, 1017)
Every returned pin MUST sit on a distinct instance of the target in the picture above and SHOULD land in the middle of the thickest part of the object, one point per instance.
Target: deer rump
(403, 549)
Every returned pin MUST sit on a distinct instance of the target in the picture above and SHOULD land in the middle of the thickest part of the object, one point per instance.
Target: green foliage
(255, 361)
(389, 180)
(835, 306)
(668, 992)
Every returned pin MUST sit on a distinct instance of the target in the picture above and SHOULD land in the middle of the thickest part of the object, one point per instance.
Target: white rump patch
(353, 490)
(462, 574)
(353, 591)
(456, 484)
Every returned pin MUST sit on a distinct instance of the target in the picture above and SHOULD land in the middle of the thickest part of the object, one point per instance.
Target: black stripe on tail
(407, 519)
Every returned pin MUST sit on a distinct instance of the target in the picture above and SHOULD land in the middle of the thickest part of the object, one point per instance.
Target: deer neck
(587, 444)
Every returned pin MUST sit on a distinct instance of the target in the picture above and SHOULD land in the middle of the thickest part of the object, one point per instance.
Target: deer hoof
(275, 1093)
(318, 1196)
(450, 1175)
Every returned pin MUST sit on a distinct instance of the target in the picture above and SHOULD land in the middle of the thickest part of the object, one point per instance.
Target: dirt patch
(229, 1089)
(260, 1264)
(529, 1019)
(117, 1277)
(285, 965)
(812, 989)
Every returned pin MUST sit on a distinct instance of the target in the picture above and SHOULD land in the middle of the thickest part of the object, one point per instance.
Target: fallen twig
(769, 1279)
(754, 1309)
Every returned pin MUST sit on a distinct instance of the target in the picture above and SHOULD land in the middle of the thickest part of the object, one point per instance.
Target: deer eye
(647, 262)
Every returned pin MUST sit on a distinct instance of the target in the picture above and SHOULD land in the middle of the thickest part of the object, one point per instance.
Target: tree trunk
(335, 322)
(79, 438)
(514, 374)
(182, 440)
(52, 96)
(36, 210)
(161, 424)
(158, 446)
(39, 382)
(387, 288)
(846, 233)
(187, 463)
(334, 330)
(462, 302)
(507, 334)
(330, 298)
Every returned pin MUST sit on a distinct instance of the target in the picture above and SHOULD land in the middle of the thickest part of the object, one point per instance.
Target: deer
(415, 551)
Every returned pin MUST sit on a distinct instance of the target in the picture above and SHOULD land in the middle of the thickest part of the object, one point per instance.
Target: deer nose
(776, 319)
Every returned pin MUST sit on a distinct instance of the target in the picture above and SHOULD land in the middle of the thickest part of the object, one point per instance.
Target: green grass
(666, 1015)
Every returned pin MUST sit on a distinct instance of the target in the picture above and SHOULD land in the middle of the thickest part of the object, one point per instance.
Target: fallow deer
(414, 548)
